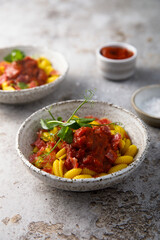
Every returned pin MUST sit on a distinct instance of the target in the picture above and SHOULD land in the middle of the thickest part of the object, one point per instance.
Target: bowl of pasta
(90, 148)
(28, 73)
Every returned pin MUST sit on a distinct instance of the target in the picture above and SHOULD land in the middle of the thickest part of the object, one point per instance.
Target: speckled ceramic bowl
(28, 95)
(114, 69)
(134, 126)
(146, 102)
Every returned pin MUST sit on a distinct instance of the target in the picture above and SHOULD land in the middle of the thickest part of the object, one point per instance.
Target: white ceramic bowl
(28, 95)
(146, 102)
(114, 69)
(137, 131)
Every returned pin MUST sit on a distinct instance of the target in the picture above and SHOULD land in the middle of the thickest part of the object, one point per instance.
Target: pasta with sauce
(18, 72)
(95, 151)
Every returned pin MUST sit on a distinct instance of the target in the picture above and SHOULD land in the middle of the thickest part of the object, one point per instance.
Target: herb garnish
(22, 85)
(66, 133)
(15, 55)
(66, 128)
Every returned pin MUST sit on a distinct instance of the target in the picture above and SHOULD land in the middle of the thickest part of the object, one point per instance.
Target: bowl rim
(139, 110)
(113, 176)
(41, 86)
(118, 44)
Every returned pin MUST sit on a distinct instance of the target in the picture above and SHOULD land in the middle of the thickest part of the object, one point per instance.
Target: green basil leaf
(43, 124)
(8, 58)
(69, 136)
(22, 85)
(67, 124)
(86, 120)
(62, 124)
(15, 55)
(47, 124)
(61, 132)
(71, 124)
(75, 126)
(55, 123)
(66, 134)
(84, 124)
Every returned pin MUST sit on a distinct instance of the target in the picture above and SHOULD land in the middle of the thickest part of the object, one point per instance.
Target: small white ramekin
(114, 69)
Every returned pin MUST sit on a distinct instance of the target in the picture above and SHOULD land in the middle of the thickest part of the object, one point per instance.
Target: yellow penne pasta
(121, 144)
(2, 69)
(88, 172)
(82, 176)
(95, 123)
(4, 84)
(132, 150)
(118, 153)
(117, 168)
(101, 174)
(113, 132)
(60, 153)
(61, 166)
(62, 157)
(46, 136)
(52, 78)
(124, 159)
(126, 146)
(42, 65)
(56, 168)
(54, 130)
(8, 88)
(48, 69)
(120, 130)
(43, 62)
(111, 126)
(59, 145)
(72, 173)
(117, 128)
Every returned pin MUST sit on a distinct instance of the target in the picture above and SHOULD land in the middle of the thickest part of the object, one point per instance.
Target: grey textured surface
(131, 210)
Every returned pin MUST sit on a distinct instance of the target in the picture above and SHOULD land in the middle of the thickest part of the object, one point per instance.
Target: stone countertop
(130, 210)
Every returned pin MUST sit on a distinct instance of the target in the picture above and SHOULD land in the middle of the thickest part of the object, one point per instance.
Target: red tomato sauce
(114, 52)
(24, 72)
(94, 148)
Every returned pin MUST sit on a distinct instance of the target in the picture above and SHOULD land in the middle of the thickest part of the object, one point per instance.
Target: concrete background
(29, 209)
